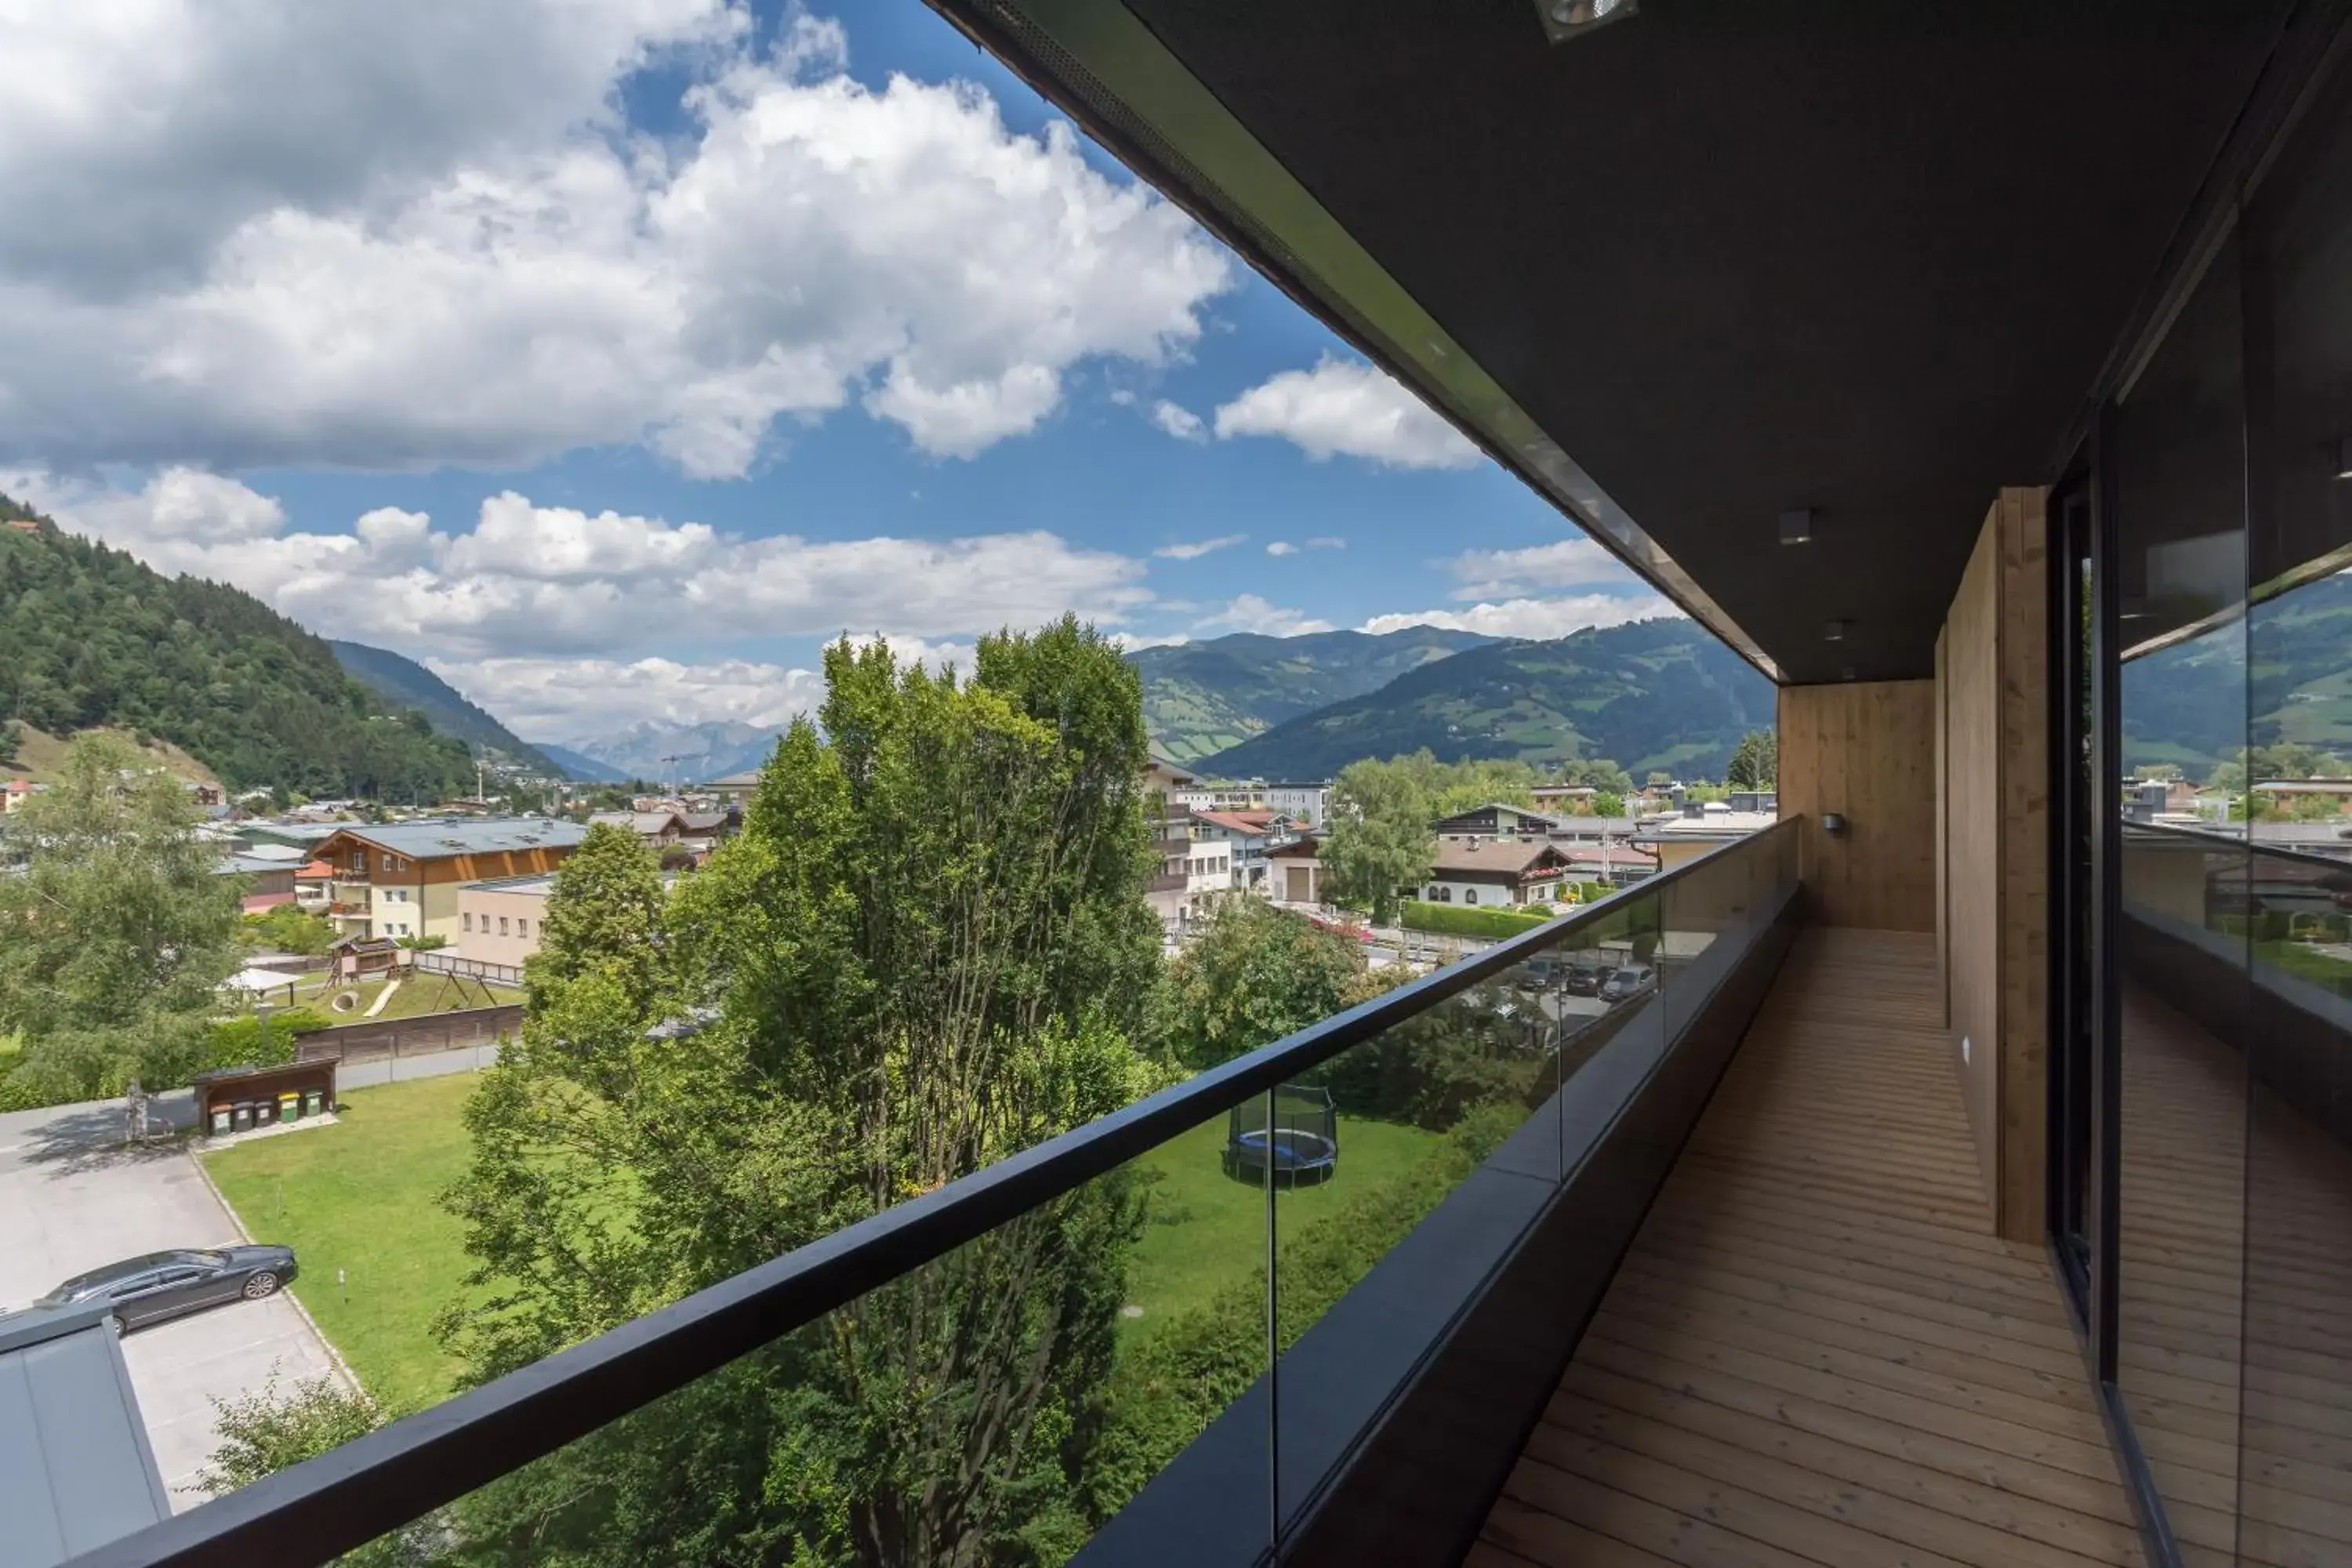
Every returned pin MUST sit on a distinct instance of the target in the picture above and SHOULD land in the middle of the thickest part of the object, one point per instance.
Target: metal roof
(435, 839)
(76, 1471)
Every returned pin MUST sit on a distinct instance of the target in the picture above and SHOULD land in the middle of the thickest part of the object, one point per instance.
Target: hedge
(1454, 920)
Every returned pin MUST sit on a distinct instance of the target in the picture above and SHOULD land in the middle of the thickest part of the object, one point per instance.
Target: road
(73, 1198)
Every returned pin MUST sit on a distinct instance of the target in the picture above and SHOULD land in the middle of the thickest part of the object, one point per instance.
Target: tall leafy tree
(927, 950)
(1251, 975)
(1755, 762)
(1381, 845)
(115, 927)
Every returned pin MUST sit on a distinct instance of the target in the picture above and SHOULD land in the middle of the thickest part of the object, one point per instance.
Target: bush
(239, 1042)
(1453, 919)
(289, 929)
(424, 943)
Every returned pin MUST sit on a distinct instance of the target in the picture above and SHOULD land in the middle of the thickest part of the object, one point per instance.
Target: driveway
(72, 1198)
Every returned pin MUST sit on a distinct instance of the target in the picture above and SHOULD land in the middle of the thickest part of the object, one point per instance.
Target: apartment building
(402, 879)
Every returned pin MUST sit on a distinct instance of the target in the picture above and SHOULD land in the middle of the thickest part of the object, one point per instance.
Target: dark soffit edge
(1095, 61)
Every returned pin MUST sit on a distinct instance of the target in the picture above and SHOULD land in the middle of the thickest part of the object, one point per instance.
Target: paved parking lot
(73, 1199)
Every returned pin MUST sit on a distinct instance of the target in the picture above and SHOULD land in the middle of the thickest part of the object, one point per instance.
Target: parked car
(1586, 979)
(155, 1286)
(1628, 982)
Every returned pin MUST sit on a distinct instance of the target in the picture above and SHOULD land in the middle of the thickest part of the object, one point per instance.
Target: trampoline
(1302, 1144)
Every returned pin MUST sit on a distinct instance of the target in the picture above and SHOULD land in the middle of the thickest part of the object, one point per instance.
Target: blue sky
(611, 362)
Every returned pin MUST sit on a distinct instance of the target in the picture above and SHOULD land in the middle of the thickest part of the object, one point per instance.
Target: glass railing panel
(1704, 919)
(1000, 1404)
(1449, 1142)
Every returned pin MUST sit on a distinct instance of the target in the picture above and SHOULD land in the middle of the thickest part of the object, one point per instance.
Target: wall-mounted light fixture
(1566, 19)
(1833, 822)
(1848, 672)
(1797, 527)
(1834, 631)
(2344, 459)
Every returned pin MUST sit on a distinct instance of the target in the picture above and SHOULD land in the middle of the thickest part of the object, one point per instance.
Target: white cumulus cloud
(1192, 550)
(1351, 409)
(553, 697)
(1508, 574)
(527, 580)
(1250, 612)
(1539, 618)
(1179, 421)
(345, 234)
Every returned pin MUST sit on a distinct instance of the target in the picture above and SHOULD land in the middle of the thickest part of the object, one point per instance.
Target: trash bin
(265, 1113)
(314, 1101)
(241, 1116)
(220, 1121)
(289, 1107)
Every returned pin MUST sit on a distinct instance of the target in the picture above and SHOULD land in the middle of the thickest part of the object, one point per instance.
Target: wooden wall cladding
(1997, 798)
(1866, 751)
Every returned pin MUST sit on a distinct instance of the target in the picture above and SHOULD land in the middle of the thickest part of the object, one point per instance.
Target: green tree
(12, 737)
(1251, 975)
(1755, 762)
(1380, 847)
(288, 929)
(928, 949)
(261, 1433)
(1608, 803)
(1595, 773)
(115, 927)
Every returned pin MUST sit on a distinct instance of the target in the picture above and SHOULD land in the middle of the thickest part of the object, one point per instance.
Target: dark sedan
(160, 1285)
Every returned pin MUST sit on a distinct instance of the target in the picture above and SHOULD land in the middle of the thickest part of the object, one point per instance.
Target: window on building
(465, 921)
(522, 927)
(1469, 895)
(502, 925)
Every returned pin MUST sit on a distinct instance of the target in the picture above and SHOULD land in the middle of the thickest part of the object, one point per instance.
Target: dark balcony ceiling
(1734, 256)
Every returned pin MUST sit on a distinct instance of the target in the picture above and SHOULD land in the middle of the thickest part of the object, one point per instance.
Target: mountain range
(2277, 673)
(1204, 698)
(405, 683)
(656, 751)
(1655, 696)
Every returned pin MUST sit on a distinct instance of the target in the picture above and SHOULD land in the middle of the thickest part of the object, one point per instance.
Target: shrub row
(1453, 919)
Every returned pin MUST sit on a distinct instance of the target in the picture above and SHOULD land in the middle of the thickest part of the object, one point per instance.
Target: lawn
(418, 995)
(1203, 1229)
(2305, 960)
(360, 1197)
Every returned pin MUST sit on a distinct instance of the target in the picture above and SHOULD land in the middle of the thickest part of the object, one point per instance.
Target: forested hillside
(1201, 697)
(405, 683)
(90, 637)
(1657, 695)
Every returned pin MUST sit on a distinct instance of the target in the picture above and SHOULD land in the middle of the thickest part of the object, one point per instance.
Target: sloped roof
(435, 839)
(1507, 854)
(76, 1471)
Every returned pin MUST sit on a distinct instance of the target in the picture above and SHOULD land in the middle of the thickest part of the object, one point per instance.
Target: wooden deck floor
(1816, 1352)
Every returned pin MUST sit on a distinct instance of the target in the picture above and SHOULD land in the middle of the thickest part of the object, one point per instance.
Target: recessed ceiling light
(1565, 19)
(1797, 527)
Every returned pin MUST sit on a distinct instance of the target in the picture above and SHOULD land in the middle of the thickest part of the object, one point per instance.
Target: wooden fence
(378, 1039)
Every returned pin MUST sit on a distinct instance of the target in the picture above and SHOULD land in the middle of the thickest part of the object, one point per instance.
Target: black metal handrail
(342, 1499)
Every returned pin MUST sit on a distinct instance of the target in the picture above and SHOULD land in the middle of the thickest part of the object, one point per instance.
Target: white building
(1307, 805)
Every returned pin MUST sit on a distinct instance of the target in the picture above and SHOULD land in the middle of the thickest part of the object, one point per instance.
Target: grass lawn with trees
(361, 1196)
(1203, 1229)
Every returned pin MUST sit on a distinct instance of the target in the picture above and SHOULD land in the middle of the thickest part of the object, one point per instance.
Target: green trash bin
(289, 1107)
(314, 1101)
(220, 1121)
